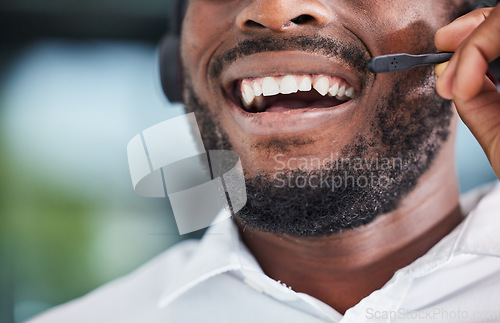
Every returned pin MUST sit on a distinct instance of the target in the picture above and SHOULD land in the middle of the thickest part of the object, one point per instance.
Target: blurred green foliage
(52, 244)
(45, 235)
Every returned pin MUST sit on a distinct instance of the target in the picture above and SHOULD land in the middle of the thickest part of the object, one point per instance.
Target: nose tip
(282, 15)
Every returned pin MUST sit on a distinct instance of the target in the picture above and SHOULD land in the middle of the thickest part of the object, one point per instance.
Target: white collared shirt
(217, 280)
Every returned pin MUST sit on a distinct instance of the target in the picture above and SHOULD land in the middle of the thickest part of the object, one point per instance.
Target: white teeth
(270, 87)
(288, 85)
(341, 92)
(334, 90)
(305, 84)
(321, 85)
(247, 94)
(350, 92)
(257, 89)
(253, 91)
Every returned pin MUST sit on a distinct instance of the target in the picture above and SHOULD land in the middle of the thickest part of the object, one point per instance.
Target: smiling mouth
(291, 92)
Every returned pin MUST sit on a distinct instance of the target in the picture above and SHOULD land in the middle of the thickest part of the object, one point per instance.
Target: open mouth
(291, 92)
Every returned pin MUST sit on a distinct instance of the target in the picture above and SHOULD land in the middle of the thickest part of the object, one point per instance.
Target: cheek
(401, 26)
(416, 38)
(205, 25)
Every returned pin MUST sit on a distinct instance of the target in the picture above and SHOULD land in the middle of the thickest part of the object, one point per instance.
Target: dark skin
(344, 268)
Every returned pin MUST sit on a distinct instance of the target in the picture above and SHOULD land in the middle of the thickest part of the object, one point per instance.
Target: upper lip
(284, 63)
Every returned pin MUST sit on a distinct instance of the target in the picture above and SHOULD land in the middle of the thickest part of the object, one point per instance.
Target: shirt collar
(221, 250)
(480, 232)
(476, 235)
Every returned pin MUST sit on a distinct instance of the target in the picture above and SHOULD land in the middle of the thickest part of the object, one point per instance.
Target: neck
(342, 269)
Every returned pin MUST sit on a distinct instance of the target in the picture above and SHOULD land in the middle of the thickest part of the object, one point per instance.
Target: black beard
(370, 178)
(408, 130)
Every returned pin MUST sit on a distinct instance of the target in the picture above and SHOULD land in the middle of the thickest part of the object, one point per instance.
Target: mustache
(356, 57)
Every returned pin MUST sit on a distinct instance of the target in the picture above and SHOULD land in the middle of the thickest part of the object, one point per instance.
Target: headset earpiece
(169, 55)
(170, 71)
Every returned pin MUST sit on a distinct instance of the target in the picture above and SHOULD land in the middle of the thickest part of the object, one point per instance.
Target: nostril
(251, 23)
(302, 19)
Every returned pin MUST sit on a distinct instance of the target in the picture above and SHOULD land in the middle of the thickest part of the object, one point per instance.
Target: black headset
(169, 54)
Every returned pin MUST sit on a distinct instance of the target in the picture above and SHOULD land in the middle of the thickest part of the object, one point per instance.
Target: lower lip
(286, 121)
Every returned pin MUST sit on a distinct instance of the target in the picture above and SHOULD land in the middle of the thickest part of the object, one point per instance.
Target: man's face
(233, 50)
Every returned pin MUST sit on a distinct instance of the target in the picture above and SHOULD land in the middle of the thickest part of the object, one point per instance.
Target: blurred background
(79, 79)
